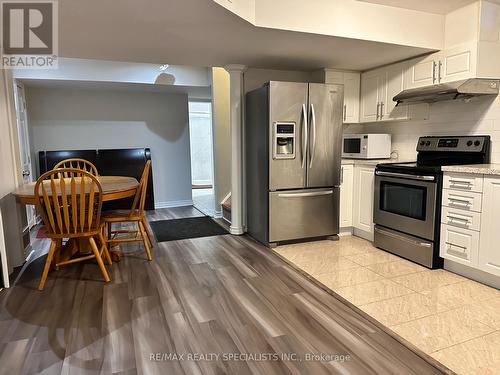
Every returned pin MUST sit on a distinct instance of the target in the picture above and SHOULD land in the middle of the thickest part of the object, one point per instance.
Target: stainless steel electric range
(407, 200)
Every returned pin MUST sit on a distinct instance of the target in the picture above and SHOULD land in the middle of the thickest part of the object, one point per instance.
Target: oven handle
(418, 243)
(404, 175)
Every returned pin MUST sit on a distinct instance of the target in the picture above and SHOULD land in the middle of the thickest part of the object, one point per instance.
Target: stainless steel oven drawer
(406, 246)
(297, 214)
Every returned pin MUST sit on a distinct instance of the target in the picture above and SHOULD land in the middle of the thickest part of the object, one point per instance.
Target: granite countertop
(490, 169)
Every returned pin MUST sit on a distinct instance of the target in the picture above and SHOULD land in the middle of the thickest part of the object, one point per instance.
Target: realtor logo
(29, 34)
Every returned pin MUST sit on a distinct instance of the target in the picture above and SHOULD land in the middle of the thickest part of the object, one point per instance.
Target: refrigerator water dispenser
(284, 140)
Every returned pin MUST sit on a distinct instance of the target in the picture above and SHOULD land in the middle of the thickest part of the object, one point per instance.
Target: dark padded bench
(109, 162)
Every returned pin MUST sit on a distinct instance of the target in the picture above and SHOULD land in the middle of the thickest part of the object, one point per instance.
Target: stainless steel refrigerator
(293, 135)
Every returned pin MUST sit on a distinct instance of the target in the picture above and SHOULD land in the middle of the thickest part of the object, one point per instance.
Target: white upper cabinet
(378, 87)
(453, 64)
(372, 85)
(351, 97)
(394, 84)
(457, 63)
(351, 82)
(421, 72)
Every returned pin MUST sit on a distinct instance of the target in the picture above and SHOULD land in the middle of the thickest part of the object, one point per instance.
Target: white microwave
(366, 146)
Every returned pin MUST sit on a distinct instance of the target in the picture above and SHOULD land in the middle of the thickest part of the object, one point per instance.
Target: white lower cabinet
(458, 244)
(470, 229)
(346, 193)
(364, 178)
(489, 247)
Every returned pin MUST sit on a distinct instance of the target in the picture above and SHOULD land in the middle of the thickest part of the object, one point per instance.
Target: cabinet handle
(378, 104)
(381, 110)
(341, 175)
(457, 184)
(345, 112)
(439, 71)
(452, 244)
(399, 237)
(451, 219)
(459, 202)
(433, 72)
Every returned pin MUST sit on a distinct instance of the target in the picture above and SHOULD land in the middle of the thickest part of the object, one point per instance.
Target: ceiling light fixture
(164, 67)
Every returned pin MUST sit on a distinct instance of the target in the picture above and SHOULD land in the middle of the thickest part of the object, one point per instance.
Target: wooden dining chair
(81, 164)
(71, 208)
(134, 215)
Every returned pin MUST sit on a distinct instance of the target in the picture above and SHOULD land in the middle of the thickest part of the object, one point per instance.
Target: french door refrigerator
(293, 134)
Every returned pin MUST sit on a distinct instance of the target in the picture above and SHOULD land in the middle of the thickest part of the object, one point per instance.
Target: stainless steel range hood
(449, 91)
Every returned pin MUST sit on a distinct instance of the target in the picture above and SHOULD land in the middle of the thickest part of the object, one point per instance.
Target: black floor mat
(180, 229)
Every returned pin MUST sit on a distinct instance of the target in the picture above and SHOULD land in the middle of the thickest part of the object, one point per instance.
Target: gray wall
(62, 118)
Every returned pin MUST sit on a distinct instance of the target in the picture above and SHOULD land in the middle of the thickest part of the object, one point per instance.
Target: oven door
(406, 203)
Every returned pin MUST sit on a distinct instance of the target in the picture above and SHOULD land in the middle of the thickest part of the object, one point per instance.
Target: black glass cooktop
(410, 167)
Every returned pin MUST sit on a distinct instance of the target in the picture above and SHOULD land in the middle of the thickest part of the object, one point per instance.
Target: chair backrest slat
(77, 164)
(48, 210)
(64, 202)
(82, 205)
(91, 206)
(57, 207)
(140, 195)
(74, 210)
(69, 217)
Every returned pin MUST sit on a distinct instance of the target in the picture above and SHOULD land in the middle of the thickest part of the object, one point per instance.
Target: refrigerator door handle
(303, 147)
(313, 138)
(308, 194)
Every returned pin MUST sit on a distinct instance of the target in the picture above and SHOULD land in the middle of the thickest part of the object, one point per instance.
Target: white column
(236, 120)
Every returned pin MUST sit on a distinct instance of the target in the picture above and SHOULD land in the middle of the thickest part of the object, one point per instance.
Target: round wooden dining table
(113, 188)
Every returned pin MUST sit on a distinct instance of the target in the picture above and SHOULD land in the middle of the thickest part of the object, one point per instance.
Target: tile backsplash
(480, 115)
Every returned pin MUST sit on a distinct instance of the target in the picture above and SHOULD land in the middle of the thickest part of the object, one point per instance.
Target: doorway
(202, 164)
(24, 145)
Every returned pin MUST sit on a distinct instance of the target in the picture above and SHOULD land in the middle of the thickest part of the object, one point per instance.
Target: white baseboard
(363, 234)
(170, 204)
(472, 273)
(218, 215)
(346, 231)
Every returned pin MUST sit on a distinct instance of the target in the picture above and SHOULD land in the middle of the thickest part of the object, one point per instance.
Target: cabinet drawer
(464, 182)
(464, 200)
(460, 218)
(459, 245)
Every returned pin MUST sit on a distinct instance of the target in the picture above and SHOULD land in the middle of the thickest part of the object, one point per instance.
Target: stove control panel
(476, 143)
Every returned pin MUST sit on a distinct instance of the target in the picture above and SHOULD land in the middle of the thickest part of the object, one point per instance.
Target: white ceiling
(202, 33)
(194, 92)
(429, 6)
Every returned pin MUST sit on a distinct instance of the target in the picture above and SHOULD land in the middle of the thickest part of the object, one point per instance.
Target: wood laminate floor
(214, 305)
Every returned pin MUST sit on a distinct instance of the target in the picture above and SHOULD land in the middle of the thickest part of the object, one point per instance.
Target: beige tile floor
(455, 320)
